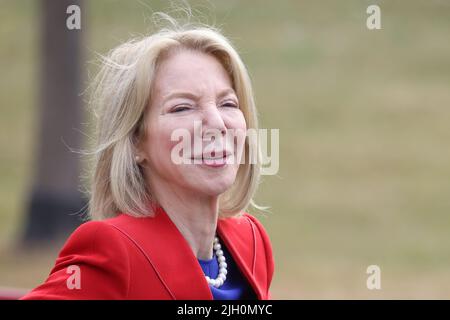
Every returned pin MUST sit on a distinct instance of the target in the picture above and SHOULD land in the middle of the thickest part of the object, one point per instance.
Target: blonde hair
(121, 93)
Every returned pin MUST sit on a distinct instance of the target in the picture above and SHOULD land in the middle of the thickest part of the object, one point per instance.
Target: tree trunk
(55, 201)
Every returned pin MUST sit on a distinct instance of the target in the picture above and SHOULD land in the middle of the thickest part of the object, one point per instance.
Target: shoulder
(93, 264)
(246, 225)
(246, 229)
(257, 224)
(94, 235)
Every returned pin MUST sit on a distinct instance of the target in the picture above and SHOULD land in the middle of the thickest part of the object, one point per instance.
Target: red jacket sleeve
(270, 264)
(93, 264)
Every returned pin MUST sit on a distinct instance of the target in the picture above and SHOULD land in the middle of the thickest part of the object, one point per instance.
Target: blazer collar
(172, 258)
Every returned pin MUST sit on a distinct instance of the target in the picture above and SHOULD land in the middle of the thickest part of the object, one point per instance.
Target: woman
(164, 228)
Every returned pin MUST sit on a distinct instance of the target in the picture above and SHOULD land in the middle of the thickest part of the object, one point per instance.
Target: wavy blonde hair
(121, 94)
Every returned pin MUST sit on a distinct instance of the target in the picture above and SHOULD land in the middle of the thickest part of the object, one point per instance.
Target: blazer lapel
(243, 251)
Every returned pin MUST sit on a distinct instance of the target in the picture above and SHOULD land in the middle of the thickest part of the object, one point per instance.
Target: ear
(138, 141)
(139, 135)
(139, 156)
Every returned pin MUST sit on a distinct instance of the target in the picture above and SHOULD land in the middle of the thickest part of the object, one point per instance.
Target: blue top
(235, 286)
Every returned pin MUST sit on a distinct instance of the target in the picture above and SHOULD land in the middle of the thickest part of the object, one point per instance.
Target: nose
(213, 122)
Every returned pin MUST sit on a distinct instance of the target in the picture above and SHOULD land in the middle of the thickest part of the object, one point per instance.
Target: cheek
(160, 143)
(238, 124)
(235, 120)
(157, 145)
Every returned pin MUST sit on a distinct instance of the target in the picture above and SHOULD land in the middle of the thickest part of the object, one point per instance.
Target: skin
(190, 86)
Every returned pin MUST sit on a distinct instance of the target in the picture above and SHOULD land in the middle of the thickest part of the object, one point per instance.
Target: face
(193, 115)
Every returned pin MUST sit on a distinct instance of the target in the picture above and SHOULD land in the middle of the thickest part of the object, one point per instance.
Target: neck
(195, 217)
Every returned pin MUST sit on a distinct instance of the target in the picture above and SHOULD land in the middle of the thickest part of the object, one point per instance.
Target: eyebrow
(190, 95)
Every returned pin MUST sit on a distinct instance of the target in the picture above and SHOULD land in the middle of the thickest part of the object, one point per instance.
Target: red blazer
(148, 258)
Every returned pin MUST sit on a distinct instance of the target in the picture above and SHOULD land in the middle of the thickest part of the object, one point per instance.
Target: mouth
(211, 160)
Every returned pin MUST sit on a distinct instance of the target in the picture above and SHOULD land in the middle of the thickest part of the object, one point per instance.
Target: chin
(214, 188)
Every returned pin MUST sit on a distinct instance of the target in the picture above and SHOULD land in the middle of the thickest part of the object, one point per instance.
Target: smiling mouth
(212, 156)
(212, 161)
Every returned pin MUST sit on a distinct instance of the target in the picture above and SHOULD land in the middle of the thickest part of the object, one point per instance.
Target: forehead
(190, 71)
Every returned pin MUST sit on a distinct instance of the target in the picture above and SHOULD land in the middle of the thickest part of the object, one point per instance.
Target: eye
(180, 108)
(230, 105)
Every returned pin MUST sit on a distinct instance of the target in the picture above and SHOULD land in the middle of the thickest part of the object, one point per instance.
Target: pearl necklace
(222, 276)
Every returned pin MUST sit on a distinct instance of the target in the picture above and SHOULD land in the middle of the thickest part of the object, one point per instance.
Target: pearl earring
(137, 158)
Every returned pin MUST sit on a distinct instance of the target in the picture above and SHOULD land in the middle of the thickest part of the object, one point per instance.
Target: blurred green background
(364, 136)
